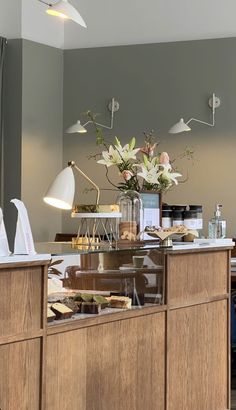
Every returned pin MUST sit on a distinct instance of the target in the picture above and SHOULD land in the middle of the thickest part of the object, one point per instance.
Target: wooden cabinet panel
(21, 300)
(198, 357)
(20, 375)
(119, 365)
(66, 371)
(195, 277)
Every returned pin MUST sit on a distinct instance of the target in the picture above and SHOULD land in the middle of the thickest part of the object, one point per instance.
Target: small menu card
(24, 243)
(4, 247)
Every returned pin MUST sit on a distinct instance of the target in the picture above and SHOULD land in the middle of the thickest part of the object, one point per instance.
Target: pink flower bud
(164, 158)
(127, 175)
(148, 149)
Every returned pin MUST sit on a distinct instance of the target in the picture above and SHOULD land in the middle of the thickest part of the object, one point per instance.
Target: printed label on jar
(166, 222)
(178, 222)
(190, 223)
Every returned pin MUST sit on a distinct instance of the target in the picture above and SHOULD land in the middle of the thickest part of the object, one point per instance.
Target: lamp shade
(61, 192)
(65, 10)
(180, 126)
(77, 127)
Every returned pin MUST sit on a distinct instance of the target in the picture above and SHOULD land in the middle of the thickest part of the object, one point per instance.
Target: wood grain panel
(66, 371)
(21, 300)
(20, 375)
(198, 357)
(196, 277)
(119, 365)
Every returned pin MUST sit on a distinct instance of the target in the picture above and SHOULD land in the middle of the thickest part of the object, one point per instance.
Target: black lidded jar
(166, 219)
(190, 219)
(177, 217)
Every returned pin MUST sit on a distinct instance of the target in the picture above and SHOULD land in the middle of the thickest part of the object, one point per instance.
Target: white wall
(39, 26)
(119, 22)
(10, 18)
(152, 21)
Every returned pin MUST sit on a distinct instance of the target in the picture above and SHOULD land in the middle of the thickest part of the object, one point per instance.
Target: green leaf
(132, 143)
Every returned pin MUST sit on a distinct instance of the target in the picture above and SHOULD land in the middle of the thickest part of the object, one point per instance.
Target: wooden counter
(169, 357)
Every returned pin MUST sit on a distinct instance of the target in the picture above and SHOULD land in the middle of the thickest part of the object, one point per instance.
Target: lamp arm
(100, 125)
(112, 109)
(73, 165)
(44, 2)
(203, 122)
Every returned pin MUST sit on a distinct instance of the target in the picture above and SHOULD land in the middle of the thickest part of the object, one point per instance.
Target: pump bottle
(217, 226)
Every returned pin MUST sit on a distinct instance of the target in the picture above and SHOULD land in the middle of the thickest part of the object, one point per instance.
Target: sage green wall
(42, 113)
(155, 85)
(33, 133)
(12, 132)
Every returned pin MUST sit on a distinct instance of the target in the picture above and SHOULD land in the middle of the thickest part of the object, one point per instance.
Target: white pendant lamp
(181, 126)
(65, 10)
(61, 192)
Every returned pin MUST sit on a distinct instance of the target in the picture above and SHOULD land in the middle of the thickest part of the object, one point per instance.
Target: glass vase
(130, 225)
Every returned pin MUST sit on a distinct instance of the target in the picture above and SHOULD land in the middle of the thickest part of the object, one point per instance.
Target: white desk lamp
(61, 192)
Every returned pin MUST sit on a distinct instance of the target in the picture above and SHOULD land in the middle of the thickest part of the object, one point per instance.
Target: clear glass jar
(131, 221)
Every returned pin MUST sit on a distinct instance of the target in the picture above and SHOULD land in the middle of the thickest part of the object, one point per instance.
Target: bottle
(217, 226)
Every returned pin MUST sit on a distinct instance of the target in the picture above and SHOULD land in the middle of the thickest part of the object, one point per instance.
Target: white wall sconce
(181, 126)
(113, 106)
(65, 10)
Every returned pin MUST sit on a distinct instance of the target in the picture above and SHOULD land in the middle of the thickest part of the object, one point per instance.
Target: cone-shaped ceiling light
(65, 10)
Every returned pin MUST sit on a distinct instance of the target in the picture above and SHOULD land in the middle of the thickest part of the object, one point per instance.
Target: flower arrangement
(141, 168)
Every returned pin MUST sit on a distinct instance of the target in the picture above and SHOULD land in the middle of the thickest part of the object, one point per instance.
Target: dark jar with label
(177, 217)
(166, 220)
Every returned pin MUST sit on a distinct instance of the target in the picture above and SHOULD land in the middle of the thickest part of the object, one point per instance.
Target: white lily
(128, 151)
(110, 157)
(166, 173)
(149, 174)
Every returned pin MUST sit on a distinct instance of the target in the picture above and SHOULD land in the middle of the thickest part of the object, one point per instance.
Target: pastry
(77, 297)
(61, 311)
(101, 300)
(70, 303)
(86, 297)
(90, 307)
(120, 302)
(50, 315)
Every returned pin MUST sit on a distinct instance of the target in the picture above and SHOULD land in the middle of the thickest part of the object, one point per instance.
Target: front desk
(169, 351)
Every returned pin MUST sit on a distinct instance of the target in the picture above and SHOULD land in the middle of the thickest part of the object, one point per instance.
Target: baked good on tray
(90, 307)
(72, 304)
(61, 311)
(101, 300)
(120, 302)
(50, 315)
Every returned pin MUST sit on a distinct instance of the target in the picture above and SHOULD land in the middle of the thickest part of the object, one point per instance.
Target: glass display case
(108, 281)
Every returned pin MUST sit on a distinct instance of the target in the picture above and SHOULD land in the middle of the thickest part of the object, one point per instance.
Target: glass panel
(125, 279)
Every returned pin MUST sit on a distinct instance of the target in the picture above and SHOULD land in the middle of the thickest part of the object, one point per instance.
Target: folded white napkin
(24, 243)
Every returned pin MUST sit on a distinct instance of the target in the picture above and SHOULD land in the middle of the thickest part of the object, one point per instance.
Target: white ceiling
(120, 22)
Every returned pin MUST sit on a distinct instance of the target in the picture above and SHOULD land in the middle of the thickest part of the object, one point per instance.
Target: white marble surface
(24, 258)
(205, 244)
